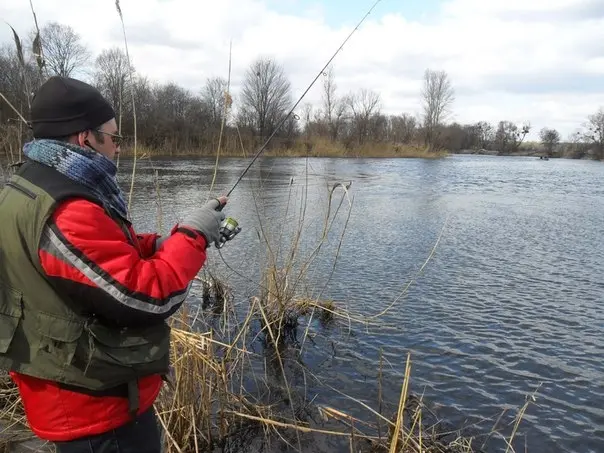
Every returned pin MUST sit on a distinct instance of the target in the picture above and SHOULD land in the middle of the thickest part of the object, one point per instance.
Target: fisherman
(84, 300)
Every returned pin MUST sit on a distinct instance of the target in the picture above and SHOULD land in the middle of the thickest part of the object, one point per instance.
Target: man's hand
(207, 219)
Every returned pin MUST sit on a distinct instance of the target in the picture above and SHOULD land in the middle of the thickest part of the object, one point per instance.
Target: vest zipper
(21, 189)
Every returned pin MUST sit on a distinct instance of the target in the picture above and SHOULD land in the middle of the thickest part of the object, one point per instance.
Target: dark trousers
(141, 435)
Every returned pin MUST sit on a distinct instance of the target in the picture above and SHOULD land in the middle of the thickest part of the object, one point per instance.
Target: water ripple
(509, 304)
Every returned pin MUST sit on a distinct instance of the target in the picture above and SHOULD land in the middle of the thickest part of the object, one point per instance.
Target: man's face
(106, 140)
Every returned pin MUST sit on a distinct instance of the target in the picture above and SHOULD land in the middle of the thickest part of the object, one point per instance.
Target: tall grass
(131, 78)
(232, 146)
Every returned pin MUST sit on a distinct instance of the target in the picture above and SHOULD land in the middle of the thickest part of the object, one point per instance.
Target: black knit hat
(64, 106)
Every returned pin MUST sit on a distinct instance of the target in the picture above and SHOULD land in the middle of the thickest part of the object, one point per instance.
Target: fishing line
(321, 72)
(229, 228)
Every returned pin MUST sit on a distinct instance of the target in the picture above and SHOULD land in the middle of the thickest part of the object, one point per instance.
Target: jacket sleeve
(90, 260)
(146, 242)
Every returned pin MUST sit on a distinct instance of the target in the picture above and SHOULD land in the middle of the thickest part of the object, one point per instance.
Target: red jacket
(151, 276)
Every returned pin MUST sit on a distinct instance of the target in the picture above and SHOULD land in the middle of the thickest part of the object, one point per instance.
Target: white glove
(206, 220)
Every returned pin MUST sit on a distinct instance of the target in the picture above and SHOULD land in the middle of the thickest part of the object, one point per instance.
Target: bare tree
(330, 103)
(486, 134)
(63, 50)
(329, 95)
(595, 131)
(437, 97)
(577, 147)
(144, 105)
(11, 81)
(291, 131)
(173, 101)
(549, 138)
(403, 128)
(456, 137)
(307, 117)
(18, 78)
(143, 97)
(379, 130)
(112, 76)
(213, 95)
(363, 105)
(266, 95)
(172, 119)
(334, 107)
(509, 136)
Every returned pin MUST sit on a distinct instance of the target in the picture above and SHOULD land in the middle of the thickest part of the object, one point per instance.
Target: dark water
(509, 304)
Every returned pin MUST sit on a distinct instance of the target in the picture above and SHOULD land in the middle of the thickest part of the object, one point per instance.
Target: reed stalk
(134, 159)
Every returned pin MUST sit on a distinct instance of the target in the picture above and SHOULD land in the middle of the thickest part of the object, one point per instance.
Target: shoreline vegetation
(302, 150)
(168, 119)
(385, 151)
(316, 148)
(209, 405)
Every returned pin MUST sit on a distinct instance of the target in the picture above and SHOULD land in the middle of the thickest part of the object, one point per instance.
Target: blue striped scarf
(85, 166)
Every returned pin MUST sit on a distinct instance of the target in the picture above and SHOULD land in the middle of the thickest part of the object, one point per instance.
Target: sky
(537, 61)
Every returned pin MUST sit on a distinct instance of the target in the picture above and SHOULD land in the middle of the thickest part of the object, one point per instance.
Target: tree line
(172, 119)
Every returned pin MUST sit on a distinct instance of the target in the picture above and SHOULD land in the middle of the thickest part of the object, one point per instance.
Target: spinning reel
(228, 230)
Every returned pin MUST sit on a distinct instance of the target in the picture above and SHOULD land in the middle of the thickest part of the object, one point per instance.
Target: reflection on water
(508, 303)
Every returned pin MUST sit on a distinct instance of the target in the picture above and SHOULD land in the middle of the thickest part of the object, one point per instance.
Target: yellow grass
(316, 147)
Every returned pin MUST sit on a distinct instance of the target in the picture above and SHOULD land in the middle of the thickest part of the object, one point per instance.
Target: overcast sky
(522, 60)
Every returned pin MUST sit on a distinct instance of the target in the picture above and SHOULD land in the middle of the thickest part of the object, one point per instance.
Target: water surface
(508, 304)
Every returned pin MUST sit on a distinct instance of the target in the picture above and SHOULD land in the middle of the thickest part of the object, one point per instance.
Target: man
(83, 299)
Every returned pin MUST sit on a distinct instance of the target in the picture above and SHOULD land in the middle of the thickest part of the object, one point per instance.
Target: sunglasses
(117, 139)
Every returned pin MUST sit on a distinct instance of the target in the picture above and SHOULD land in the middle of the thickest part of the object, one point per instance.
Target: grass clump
(215, 293)
(13, 425)
(204, 408)
(280, 310)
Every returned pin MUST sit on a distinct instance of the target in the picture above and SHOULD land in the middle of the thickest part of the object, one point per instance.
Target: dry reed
(203, 408)
(231, 146)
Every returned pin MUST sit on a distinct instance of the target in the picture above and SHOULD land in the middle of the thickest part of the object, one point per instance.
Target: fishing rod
(230, 227)
(321, 72)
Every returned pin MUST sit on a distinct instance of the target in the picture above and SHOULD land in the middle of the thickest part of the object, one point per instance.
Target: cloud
(559, 11)
(538, 61)
(556, 83)
(161, 36)
(528, 11)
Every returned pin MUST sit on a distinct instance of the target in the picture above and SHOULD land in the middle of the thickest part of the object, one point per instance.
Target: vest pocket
(58, 338)
(128, 352)
(10, 315)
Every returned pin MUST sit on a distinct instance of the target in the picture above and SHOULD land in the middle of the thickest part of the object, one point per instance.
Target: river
(509, 302)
